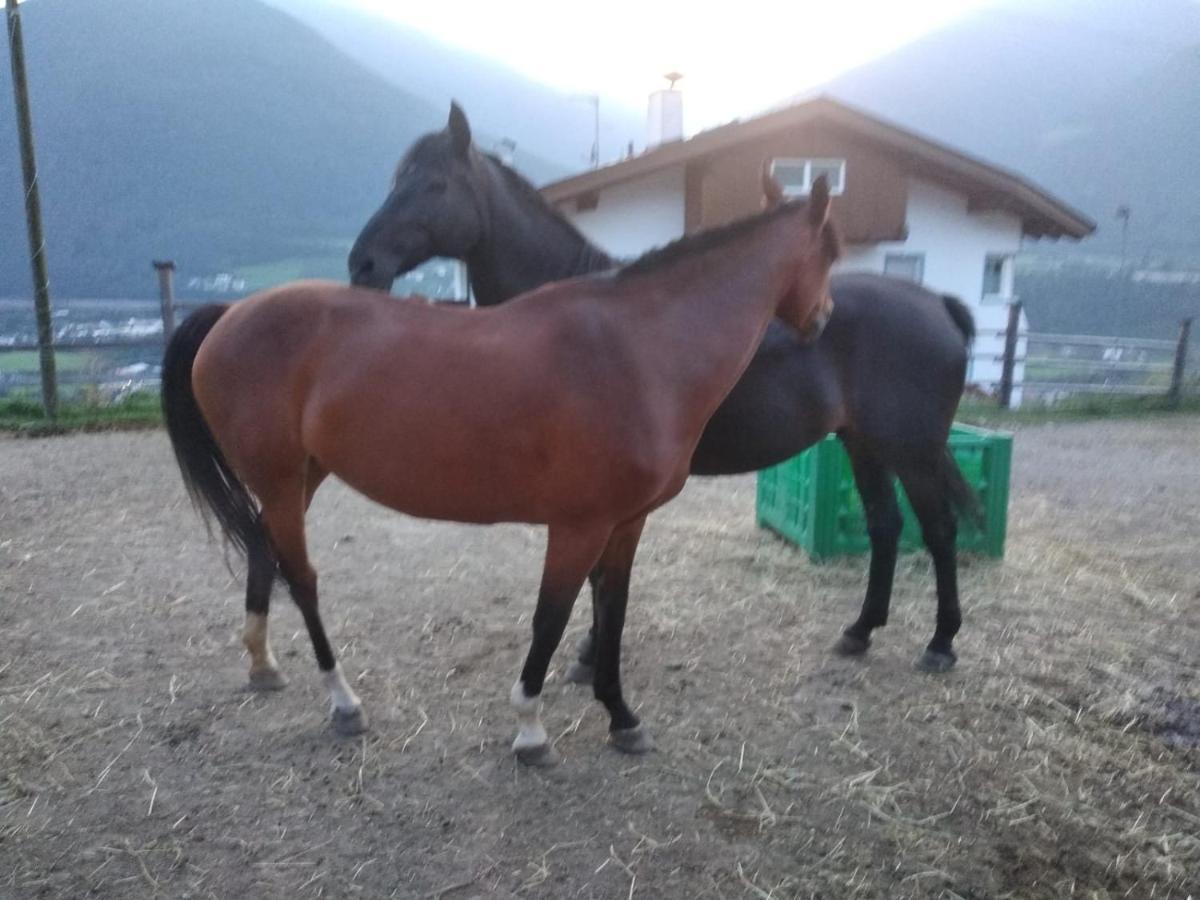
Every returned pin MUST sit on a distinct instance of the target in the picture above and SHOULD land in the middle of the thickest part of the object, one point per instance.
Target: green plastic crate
(811, 499)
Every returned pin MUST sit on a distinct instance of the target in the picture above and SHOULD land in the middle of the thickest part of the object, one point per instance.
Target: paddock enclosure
(1061, 758)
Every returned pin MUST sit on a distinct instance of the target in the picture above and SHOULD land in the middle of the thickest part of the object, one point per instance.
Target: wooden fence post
(33, 214)
(1010, 354)
(166, 295)
(1175, 394)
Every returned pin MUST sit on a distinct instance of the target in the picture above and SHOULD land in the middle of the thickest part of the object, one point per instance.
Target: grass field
(28, 361)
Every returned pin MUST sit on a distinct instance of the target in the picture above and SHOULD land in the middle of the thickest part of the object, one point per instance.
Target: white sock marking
(340, 694)
(530, 732)
(254, 636)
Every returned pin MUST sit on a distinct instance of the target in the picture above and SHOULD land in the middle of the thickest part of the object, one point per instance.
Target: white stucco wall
(632, 218)
(956, 244)
(648, 212)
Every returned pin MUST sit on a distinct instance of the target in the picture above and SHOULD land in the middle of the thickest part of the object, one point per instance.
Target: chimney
(664, 123)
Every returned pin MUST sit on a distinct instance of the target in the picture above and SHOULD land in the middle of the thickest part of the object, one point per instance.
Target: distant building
(906, 205)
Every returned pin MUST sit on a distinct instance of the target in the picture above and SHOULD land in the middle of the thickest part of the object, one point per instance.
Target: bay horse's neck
(712, 308)
(526, 244)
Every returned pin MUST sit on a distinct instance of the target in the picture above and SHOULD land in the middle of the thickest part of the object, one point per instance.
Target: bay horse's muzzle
(816, 325)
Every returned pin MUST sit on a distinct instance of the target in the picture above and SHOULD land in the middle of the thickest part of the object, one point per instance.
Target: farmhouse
(907, 206)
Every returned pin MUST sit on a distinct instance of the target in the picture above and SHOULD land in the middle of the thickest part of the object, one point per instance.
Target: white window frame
(1003, 296)
(908, 255)
(803, 189)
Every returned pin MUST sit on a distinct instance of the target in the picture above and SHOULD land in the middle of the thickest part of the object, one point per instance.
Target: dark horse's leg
(616, 563)
(925, 483)
(570, 554)
(583, 669)
(283, 516)
(874, 482)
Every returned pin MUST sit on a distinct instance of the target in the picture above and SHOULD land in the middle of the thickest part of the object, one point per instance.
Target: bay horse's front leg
(616, 564)
(260, 577)
(570, 553)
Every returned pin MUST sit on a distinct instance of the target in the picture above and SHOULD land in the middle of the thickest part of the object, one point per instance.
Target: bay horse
(886, 374)
(597, 390)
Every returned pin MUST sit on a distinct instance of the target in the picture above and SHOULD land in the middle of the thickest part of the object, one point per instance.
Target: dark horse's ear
(818, 201)
(771, 188)
(460, 130)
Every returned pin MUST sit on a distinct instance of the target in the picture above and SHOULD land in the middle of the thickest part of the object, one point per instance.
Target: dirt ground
(1060, 758)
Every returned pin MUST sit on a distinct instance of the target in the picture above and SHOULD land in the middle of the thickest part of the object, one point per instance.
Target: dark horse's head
(431, 210)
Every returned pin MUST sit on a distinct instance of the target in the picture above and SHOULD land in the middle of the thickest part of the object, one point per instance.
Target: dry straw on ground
(1059, 760)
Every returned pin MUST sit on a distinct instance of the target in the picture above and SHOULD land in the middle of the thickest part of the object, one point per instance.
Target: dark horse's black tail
(965, 501)
(962, 496)
(214, 488)
(962, 317)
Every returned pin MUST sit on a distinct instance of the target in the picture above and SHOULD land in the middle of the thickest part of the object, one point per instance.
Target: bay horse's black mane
(693, 244)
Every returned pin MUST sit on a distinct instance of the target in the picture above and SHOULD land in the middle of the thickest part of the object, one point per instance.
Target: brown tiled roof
(986, 185)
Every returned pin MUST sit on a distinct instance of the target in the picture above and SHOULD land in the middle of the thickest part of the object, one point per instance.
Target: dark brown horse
(886, 374)
(597, 390)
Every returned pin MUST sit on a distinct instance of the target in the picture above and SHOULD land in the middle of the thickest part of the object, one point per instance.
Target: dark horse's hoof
(935, 662)
(349, 722)
(543, 756)
(851, 645)
(635, 740)
(580, 673)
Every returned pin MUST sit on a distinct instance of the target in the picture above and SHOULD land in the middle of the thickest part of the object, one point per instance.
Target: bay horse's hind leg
(926, 485)
(283, 516)
(261, 571)
(616, 563)
(884, 522)
(260, 577)
(570, 553)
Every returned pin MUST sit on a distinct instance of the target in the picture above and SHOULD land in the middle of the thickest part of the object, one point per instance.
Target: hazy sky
(738, 56)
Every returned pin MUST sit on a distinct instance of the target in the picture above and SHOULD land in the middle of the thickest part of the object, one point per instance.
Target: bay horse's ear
(460, 130)
(818, 201)
(771, 188)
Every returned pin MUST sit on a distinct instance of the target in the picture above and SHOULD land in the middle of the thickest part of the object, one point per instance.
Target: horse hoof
(850, 645)
(634, 740)
(267, 680)
(349, 722)
(543, 756)
(580, 673)
(936, 663)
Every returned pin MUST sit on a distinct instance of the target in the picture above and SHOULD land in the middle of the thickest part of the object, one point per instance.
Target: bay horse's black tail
(210, 481)
(962, 317)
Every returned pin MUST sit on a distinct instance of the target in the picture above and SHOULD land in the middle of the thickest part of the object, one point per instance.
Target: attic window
(797, 175)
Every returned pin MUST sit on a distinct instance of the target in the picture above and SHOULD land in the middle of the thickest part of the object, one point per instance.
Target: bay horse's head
(431, 210)
(808, 304)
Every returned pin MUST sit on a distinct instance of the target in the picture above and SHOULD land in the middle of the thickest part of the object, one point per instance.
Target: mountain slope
(1096, 100)
(546, 121)
(221, 133)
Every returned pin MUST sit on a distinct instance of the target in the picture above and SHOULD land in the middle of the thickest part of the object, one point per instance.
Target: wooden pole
(33, 214)
(1175, 394)
(166, 295)
(1010, 354)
